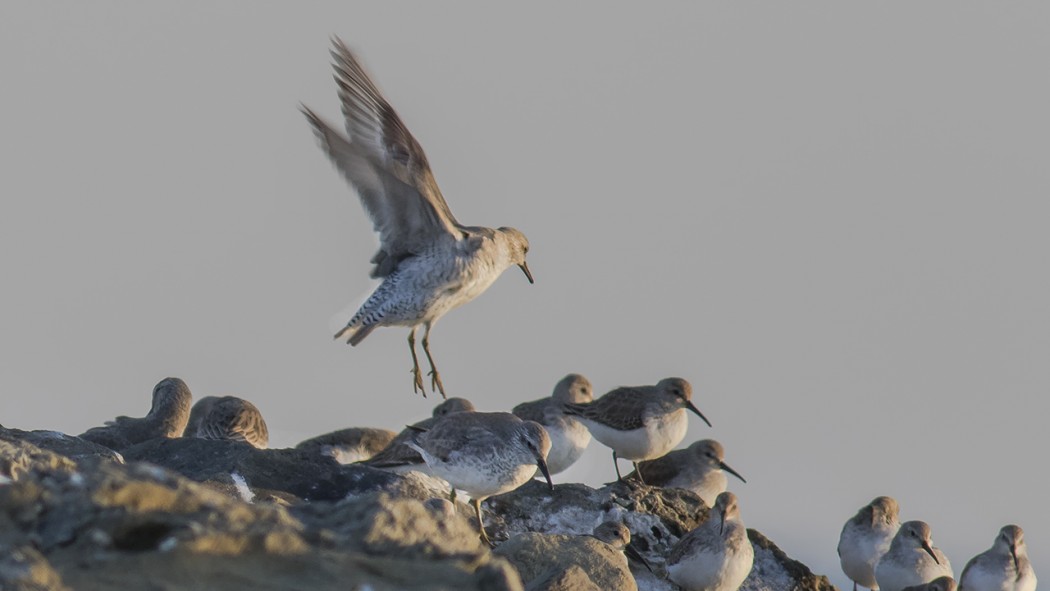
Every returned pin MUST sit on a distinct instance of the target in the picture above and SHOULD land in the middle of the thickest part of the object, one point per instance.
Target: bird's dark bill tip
(546, 472)
(528, 274)
(697, 412)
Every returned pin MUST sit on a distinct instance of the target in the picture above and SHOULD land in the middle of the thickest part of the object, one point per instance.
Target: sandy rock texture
(192, 514)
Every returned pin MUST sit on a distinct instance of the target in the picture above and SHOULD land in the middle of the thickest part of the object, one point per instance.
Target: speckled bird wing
(248, 425)
(386, 166)
(620, 409)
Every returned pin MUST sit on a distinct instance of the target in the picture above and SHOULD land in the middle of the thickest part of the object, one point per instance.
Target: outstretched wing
(385, 165)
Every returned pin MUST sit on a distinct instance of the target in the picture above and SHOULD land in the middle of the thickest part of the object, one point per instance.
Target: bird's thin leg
(481, 525)
(638, 473)
(435, 377)
(452, 495)
(617, 466)
(417, 376)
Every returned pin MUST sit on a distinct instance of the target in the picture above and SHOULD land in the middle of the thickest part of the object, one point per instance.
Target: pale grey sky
(831, 218)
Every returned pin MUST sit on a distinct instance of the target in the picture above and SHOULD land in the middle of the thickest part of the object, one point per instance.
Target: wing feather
(385, 165)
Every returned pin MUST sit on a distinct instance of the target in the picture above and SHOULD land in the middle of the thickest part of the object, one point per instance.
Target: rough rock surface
(291, 475)
(69, 446)
(192, 513)
(546, 562)
(657, 518)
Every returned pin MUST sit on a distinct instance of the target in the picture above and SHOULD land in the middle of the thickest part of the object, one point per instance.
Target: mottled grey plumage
(865, 538)
(235, 419)
(399, 457)
(569, 437)
(484, 454)
(938, 584)
(639, 422)
(1003, 567)
(347, 446)
(429, 261)
(169, 411)
(912, 559)
(717, 555)
(700, 468)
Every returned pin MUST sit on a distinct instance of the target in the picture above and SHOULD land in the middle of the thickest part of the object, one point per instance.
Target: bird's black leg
(617, 466)
(638, 473)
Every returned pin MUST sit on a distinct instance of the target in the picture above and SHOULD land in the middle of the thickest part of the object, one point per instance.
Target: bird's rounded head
(518, 247)
(574, 388)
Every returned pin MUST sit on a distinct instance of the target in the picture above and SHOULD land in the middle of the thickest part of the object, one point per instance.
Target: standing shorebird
(865, 538)
(569, 438)
(717, 555)
(484, 454)
(1003, 567)
(700, 468)
(911, 560)
(429, 262)
(639, 423)
(169, 411)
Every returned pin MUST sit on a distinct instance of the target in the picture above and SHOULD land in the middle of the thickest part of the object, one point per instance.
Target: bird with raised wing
(428, 261)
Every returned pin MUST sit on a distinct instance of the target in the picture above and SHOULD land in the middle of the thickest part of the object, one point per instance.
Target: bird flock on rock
(484, 454)
(429, 264)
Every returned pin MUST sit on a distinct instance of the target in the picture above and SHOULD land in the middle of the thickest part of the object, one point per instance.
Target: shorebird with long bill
(428, 261)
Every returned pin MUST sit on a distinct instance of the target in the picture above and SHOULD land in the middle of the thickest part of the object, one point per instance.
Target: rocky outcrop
(548, 562)
(657, 519)
(196, 514)
(69, 446)
(290, 475)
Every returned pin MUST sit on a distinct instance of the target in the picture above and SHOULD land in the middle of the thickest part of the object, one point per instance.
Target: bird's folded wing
(620, 409)
(535, 410)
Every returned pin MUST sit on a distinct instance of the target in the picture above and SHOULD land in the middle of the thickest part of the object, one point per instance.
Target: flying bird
(428, 261)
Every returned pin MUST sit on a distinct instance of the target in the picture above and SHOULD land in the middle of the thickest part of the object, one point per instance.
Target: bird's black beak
(929, 550)
(546, 473)
(722, 526)
(1013, 553)
(726, 467)
(696, 411)
(525, 269)
(635, 556)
